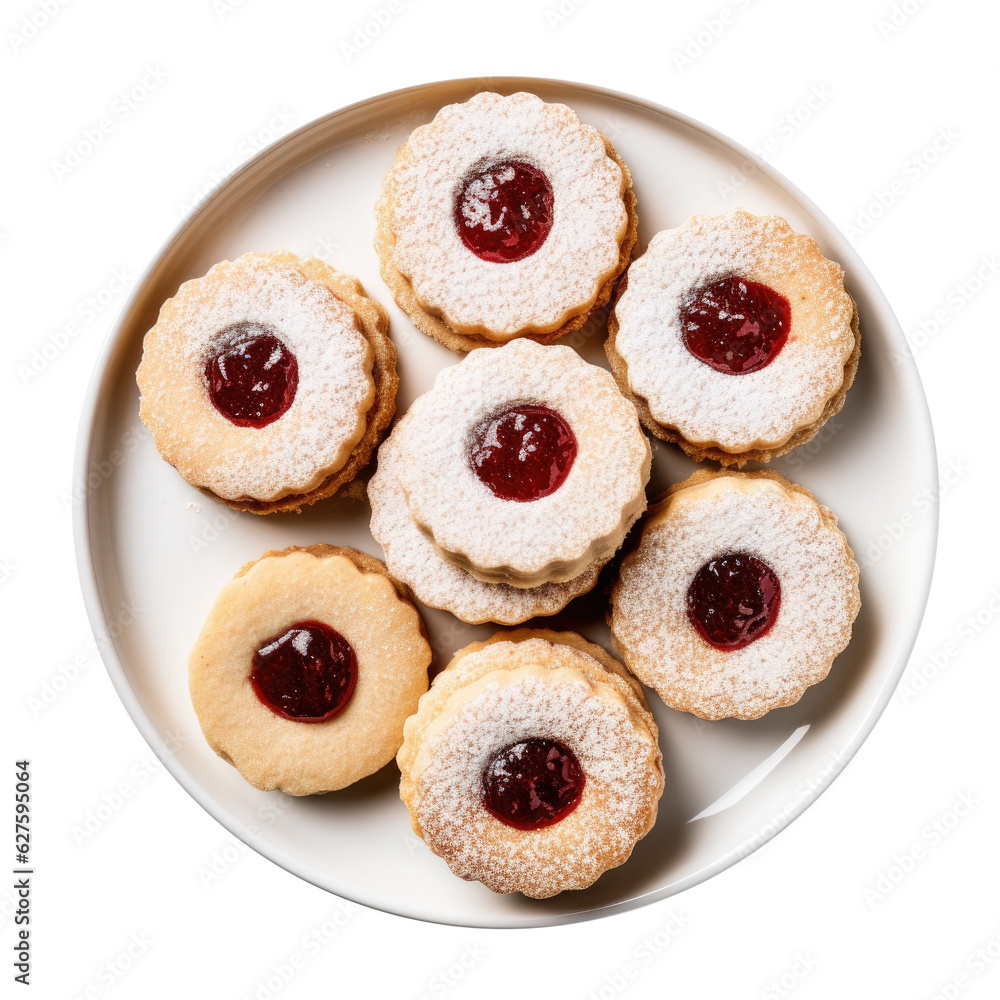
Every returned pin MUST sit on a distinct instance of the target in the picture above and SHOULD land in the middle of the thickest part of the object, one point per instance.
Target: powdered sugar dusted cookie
(307, 666)
(532, 764)
(268, 382)
(412, 558)
(739, 596)
(734, 337)
(525, 465)
(504, 217)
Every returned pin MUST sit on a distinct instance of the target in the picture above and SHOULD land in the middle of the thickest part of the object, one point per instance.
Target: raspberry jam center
(504, 211)
(524, 453)
(736, 326)
(252, 377)
(532, 784)
(307, 673)
(733, 599)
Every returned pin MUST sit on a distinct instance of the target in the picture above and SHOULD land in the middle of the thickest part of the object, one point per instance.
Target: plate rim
(83, 511)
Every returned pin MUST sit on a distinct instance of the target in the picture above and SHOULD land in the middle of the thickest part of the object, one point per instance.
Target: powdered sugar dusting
(619, 760)
(413, 559)
(819, 597)
(553, 538)
(734, 412)
(581, 251)
(294, 453)
(476, 201)
(513, 650)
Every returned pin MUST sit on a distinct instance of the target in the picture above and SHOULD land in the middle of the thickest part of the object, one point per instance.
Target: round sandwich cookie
(268, 382)
(524, 465)
(532, 764)
(740, 594)
(734, 337)
(504, 217)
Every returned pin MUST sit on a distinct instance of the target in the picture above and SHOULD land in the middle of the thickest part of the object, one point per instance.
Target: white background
(888, 863)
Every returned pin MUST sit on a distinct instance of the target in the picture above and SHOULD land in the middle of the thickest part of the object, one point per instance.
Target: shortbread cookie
(438, 582)
(740, 594)
(269, 382)
(734, 337)
(525, 465)
(504, 217)
(532, 764)
(306, 668)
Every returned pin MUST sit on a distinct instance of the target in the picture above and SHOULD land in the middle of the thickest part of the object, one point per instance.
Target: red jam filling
(733, 599)
(532, 784)
(524, 453)
(504, 211)
(253, 376)
(736, 326)
(307, 673)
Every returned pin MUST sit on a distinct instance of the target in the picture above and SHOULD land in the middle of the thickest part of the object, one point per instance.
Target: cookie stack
(533, 764)
(269, 382)
(504, 217)
(504, 489)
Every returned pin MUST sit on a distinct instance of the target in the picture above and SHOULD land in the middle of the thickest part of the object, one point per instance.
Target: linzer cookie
(523, 465)
(532, 764)
(269, 382)
(734, 337)
(504, 217)
(434, 579)
(307, 666)
(739, 596)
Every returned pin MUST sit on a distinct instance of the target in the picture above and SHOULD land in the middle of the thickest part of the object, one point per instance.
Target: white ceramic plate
(146, 540)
